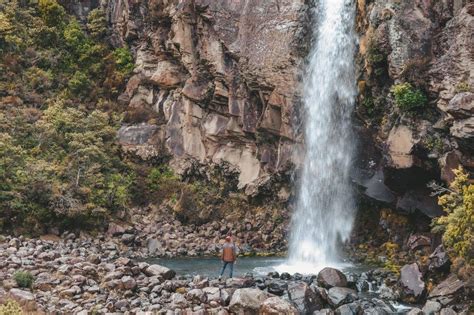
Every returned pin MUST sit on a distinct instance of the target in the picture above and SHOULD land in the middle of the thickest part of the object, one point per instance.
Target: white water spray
(324, 213)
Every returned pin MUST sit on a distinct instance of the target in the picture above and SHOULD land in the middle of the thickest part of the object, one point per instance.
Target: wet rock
(276, 305)
(304, 298)
(431, 308)
(325, 311)
(330, 277)
(415, 311)
(349, 309)
(160, 271)
(447, 291)
(277, 287)
(338, 296)
(413, 287)
(247, 301)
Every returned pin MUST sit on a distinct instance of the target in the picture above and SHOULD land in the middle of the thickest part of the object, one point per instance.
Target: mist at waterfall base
(324, 210)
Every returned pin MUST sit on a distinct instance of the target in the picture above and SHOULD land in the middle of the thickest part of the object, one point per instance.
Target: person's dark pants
(231, 267)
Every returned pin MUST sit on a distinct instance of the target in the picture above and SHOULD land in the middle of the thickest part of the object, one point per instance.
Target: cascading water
(324, 212)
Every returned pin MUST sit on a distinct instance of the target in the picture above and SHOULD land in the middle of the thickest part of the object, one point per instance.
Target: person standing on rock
(228, 256)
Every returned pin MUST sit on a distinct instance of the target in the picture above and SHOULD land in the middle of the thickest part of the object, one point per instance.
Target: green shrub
(24, 279)
(457, 225)
(79, 84)
(97, 23)
(161, 176)
(11, 307)
(123, 60)
(52, 12)
(407, 97)
(463, 87)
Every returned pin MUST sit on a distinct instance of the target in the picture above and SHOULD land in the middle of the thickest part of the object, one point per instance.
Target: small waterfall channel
(325, 207)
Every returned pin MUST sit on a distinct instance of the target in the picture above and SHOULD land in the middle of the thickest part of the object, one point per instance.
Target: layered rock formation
(428, 44)
(216, 84)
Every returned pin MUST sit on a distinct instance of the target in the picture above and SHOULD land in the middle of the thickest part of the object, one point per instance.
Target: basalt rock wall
(428, 44)
(217, 85)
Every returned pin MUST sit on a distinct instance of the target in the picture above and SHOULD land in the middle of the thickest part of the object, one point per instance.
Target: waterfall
(324, 212)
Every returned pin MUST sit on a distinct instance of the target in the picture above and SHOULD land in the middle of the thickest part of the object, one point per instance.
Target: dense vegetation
(58, 119)
(458, 223)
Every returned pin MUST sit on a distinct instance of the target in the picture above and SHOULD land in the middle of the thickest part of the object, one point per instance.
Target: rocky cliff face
(430, 45)
(216, 85)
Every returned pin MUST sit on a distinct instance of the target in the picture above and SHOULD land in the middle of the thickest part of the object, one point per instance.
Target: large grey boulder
(447, 291)
(160, 271)
(439, 259)
(338, 296)
(411, 283)
(330, 277)
(247, 301)
(304, 298)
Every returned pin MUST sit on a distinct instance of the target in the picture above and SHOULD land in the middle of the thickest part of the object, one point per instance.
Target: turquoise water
(211, 266)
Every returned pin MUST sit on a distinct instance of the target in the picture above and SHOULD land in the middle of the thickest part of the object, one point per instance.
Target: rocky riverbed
(90, 274)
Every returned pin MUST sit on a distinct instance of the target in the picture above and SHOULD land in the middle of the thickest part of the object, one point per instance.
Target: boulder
(338, 296)
(240, 282)
(447, 311)
(411, 283)
(196, 296)
(213, 294)
(439, 260)
(349, 309)
(448, 290)
(417, 241)
(277, 287)
(178, 300)
(304, 298)
(325, 311)
(415, 311)
(276, 306)
(115, 229)
(431, 307)
(160, 271)
(24, 298)
(330, 277)
(247, 301)
(128, 283)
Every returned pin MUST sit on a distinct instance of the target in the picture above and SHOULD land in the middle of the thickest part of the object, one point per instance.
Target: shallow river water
(258, 266)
